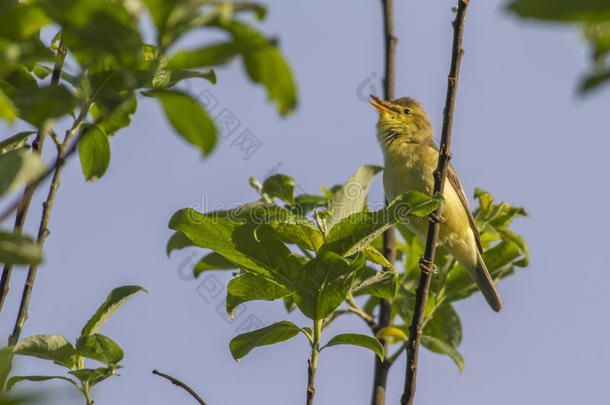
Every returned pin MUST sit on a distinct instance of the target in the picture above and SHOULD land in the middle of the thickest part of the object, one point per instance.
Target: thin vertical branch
(312, 363)
(427, 262)
(389, 247)
(28, 193)
(43, 232)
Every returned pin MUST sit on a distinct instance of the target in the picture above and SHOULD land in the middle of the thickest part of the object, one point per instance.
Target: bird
(410, 159)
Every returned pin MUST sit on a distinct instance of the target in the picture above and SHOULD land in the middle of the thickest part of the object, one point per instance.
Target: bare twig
(23, 204)
(180, 384)
(389, 247)
(43, 232)
(427, 262)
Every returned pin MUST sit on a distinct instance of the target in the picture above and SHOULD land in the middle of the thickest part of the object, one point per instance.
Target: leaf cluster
(89, 345)
(109, 66)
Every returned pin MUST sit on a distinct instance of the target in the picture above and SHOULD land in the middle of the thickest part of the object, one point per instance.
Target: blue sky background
(520, 132)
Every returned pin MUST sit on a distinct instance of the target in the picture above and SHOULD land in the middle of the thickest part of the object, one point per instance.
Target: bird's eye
(406, 111)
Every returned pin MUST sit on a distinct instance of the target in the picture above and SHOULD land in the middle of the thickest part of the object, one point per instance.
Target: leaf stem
(180, 384)
(23, 204)
(427, 262)
(389, 245)
(313, 361)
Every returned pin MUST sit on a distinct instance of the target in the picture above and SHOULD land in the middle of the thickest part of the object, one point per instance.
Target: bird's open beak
(380, 105)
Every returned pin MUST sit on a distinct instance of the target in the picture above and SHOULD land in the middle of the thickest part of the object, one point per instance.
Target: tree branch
(427, 262)
(43, 232)
(23, 204)
(389, 247)
(180, 384)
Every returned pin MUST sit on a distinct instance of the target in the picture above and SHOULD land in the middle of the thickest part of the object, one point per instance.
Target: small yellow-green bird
(411, 156)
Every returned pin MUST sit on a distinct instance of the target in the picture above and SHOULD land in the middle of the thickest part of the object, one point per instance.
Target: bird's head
(401, 119)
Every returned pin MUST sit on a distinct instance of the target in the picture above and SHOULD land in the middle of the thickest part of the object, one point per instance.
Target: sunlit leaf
(188, 118)
(351, 197)
(14, 380)
(382, 284)
(280, 186)
(368, 342)
(115, 299)
(242, 344)
(249, 287)
(50, 347)
(213, 261)
(250, 246)
(99, 347)
(323, 284)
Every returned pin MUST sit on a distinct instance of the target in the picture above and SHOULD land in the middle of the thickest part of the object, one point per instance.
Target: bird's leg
(427, 266)
(436, 218)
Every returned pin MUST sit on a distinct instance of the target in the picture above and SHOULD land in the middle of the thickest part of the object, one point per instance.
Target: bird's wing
(457, 186)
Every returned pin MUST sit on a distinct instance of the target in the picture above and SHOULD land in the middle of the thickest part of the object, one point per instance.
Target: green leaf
(14, 380)
(323, 284)
(368, 342)
(99, 347)
(214, 55)
(382, 284)
(19, 249)
(444, 324)
(188, 118)
(177, 241)
(298, 230)
(351, 197)
(15, 142)
(8, 111)
(94, 152)
(50, 347)
(438, 346)
(6, 363)
(250, 246)
(19, 167)
(249, 287)
(375, 256)
(36, 105)
(265, 65)
(242, 344)
(519, 241)
(22, 21)
(268, 67)
(93, 375)
(213, 261)
(258, 9)
(358, 230)
(392, 333)
(595, 79)
(563, 10)
(115, 115)
(280, 186)
(182, 74)
(305, 203)
(115, 299)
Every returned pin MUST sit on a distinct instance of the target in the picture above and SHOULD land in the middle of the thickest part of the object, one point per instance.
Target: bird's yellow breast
(410, 167)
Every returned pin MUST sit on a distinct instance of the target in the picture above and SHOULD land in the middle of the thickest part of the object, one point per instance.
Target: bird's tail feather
(486, 285)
